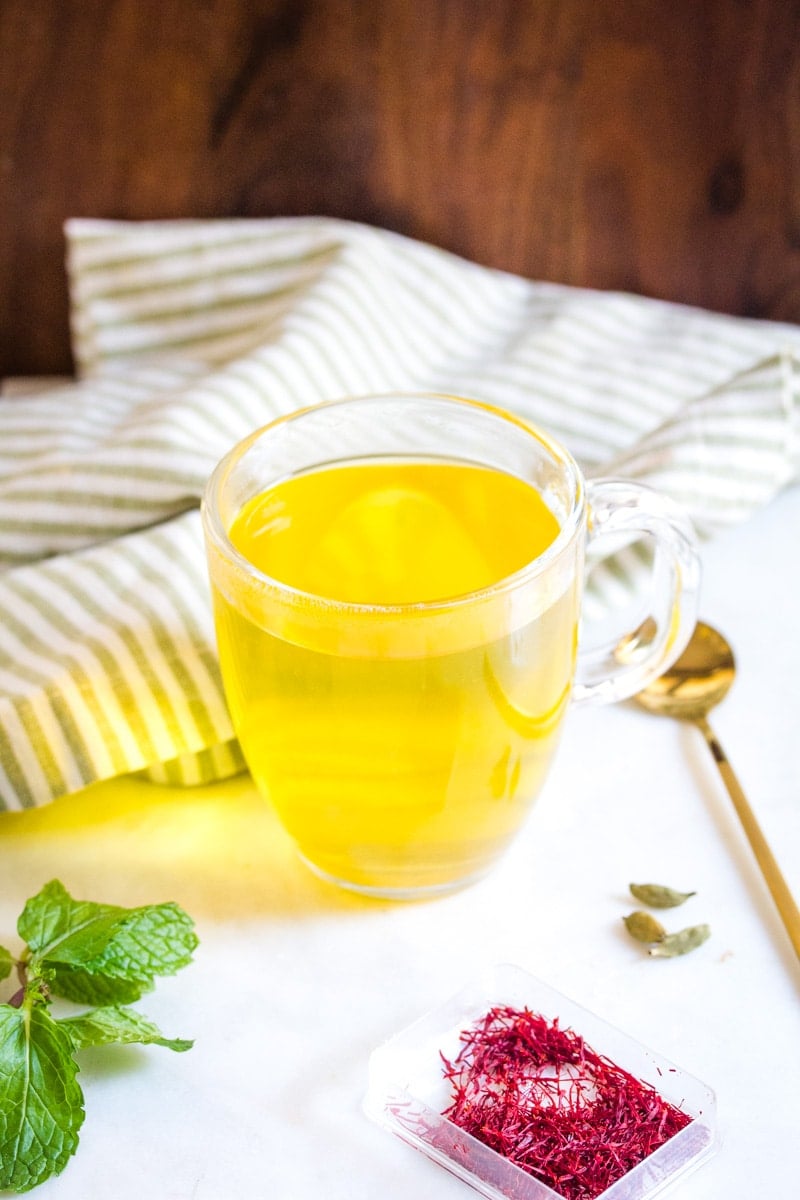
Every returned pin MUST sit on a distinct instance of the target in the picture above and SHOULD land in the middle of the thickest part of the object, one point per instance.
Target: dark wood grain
(628, 144)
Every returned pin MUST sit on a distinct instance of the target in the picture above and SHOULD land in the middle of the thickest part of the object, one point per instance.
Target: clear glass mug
(402, 745)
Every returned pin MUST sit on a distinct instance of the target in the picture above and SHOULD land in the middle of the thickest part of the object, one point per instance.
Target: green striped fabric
(188, 335)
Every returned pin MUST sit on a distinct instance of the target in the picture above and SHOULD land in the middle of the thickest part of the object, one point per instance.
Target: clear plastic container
(407, 1091)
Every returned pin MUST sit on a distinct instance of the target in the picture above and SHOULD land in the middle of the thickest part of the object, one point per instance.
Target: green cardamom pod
(682, 942)
(658, 896)
(644, 927)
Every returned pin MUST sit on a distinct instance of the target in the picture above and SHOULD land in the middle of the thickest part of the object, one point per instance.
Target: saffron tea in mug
(397, 584)
(400, 745)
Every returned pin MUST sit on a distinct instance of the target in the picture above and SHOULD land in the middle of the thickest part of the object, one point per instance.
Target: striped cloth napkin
(188, 335)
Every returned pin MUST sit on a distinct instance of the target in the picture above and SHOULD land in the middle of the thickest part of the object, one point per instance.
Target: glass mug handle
(623, 509)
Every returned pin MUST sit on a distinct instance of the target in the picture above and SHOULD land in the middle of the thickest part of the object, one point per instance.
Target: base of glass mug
(378, 892)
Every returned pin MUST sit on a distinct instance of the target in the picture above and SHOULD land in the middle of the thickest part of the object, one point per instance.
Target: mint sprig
(94, 954)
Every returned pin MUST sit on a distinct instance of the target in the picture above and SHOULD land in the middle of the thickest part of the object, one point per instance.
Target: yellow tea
(399, 730)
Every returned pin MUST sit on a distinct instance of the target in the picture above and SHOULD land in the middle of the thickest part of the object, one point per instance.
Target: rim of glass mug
(567, 529)
(595, 508)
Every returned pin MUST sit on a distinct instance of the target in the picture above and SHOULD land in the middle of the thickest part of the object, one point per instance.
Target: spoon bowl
(697, 681)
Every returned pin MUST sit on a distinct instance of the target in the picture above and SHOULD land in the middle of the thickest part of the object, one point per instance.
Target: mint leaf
(41, 1103)
(102, 953)
(6, 963)
(158, 939)
(121, 1025)
(84, 987)
(60, 929)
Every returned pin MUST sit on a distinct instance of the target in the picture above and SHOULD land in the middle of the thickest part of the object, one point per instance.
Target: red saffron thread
(548, 1102)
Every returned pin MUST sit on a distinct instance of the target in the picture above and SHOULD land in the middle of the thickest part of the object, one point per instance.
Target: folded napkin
(188, 335)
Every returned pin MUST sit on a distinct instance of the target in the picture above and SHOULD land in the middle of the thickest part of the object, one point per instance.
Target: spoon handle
(790, 914)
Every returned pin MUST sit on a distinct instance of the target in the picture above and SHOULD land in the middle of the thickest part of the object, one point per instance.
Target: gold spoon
(691, 687)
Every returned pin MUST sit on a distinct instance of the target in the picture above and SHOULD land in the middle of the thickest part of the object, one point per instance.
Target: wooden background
(650, 145)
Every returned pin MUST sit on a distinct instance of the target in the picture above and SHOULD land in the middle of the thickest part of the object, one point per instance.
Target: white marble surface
(294, 983)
